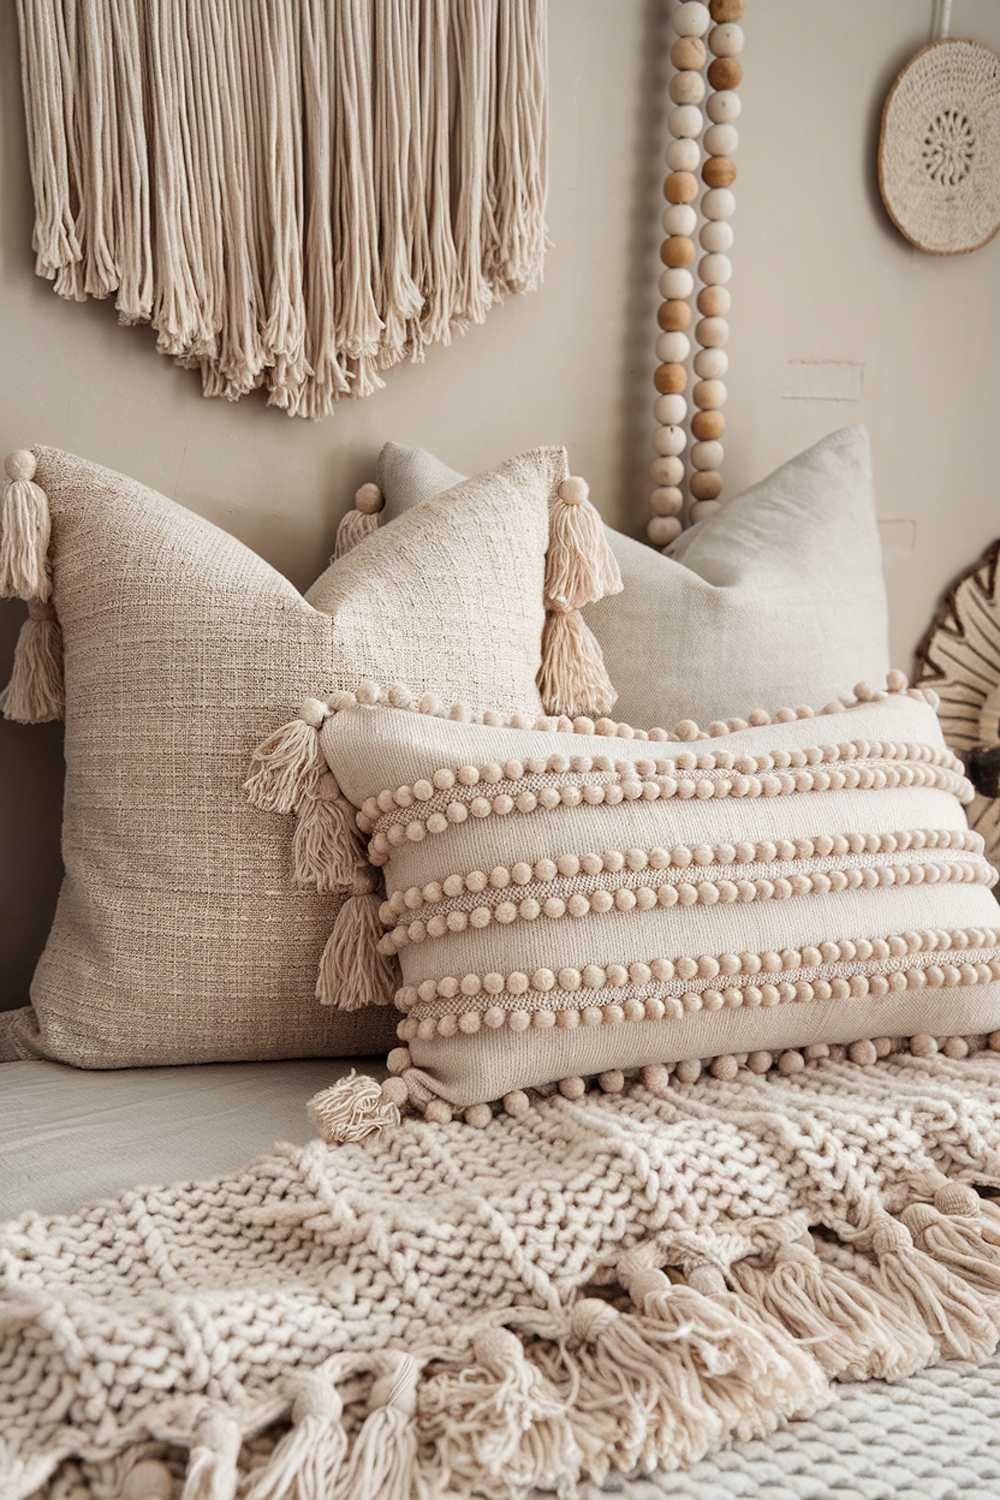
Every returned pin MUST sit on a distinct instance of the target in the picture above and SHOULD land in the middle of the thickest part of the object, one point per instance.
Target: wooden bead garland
(703, 29)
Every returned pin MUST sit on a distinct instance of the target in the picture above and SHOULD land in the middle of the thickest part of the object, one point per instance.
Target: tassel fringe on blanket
(298, 195)
(616, 1283)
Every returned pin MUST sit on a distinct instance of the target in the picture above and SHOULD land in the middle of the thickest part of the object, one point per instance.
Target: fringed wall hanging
(296, 194)
(701, 31)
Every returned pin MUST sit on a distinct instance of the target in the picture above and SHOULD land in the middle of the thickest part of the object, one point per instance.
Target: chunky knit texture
(434, 1310)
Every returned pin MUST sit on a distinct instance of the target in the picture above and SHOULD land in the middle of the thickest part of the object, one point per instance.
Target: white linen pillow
(779, 597)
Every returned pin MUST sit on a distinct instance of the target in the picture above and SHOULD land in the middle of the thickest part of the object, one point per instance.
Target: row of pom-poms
(372, 695)
(691, 20)
(356, 1106)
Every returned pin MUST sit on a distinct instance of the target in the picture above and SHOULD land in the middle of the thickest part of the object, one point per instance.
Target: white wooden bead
(718, 203)
(711, 394)
(702, 509)
(674, 442)
(685, 122)
(691, 19)
(715, 235)
(670, 411)
(672, 348)
(683, 156)
(709, 364)
(671, 470)
(679, 218)
(724, 107)
(676, 283)
(707, 455)
(687, 88)
(712, 333)
(727, 40)
(667, 500)
(722, 140)
(715, 270)
(662, 530)
(663, 440)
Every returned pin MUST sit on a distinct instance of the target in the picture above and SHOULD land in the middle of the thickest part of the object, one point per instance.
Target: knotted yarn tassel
(352, 1109)
(580, 567)
(212, 1472)
(327, 847)
(496, 1417)
(35, 693)
(359, 522)
(952, 1311)
(384, 1459)
(849, 1329)
(572, 678)
(25, 529)
(353, 972)
(958, 1235)
(287, 766)
(306, 1463)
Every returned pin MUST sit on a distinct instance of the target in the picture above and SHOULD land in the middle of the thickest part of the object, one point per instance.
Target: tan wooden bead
(670, 379)
(719, 171)
(706, 484)
(674, 316)
(677, 250)
(709, 395)
(714, 301)
(688, 53)
(722, 11)
(712, 333)
(725, 73)
(708, 426)
(680, 187)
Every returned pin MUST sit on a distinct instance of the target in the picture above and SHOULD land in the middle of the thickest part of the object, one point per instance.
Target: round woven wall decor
(939, 151)
(960, 657)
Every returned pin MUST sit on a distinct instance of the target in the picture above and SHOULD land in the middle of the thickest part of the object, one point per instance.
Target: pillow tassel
(353, 972)
(352, 1109)
(572, 678)
(35, 693)
(287, 766)
(25, 529)
(327, 847)
(580, 567)
(359, 522)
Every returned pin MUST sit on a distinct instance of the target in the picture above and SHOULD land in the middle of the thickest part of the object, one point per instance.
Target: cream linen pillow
(589, 899)
(779, 597)
(178, 937)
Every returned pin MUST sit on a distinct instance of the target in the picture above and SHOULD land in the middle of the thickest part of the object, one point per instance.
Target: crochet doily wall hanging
(939, 151)
(960, 657)
(296, 194)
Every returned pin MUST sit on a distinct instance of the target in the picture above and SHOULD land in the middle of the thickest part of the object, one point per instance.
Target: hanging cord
(941, 20)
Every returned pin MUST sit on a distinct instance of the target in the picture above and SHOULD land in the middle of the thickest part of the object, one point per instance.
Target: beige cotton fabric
(778, 598)
(571, 903)
(178, 936)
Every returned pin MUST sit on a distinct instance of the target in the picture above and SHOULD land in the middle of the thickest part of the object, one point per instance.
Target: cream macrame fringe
(420, 1312)
(296, 195)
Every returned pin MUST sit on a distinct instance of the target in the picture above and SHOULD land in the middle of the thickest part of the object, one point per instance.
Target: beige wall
(819, 276)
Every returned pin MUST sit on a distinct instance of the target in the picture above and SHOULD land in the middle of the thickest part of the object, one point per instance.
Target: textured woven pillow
(593, 901)
(178, 936)
(778, 598)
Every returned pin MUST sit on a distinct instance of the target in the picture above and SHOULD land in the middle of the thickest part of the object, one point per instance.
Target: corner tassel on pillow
(287, 766)
(572, 678)
(359, 522)
(327, 847)
(25, 528)
(352, 1109)
(352, 971)
(580, 567)
(35, 692)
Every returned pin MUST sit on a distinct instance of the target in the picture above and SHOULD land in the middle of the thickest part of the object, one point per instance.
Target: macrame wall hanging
(708, 41)
(296, 194)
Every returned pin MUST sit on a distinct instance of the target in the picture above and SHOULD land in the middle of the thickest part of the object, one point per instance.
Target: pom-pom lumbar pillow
(179, 936)
(777, 598)
(594, 901)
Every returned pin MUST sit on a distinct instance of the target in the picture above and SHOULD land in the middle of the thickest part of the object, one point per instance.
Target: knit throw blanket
(621, 1282)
